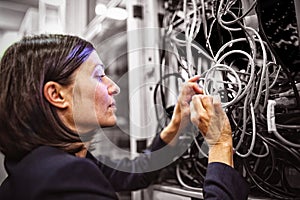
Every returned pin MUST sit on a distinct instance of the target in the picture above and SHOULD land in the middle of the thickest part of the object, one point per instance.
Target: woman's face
(93, 96)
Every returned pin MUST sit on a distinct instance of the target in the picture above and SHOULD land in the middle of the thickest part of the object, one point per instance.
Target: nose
(113, 88)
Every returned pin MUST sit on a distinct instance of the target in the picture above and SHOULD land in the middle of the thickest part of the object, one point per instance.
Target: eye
(99, 77)
(99, 73)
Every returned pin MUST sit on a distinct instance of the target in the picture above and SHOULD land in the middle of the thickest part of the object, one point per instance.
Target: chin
(113, 124)
(109, 123)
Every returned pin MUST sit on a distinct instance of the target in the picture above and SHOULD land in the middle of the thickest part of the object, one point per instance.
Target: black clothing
(48, 173)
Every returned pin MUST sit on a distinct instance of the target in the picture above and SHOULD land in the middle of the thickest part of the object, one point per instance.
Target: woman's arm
(214, 125)
(181, 115)
(221, 181)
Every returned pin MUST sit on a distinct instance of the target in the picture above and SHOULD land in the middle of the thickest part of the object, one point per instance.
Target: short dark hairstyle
(27, 119)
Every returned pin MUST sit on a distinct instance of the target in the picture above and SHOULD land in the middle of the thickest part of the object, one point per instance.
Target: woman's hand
(181, 114)
(214, 125)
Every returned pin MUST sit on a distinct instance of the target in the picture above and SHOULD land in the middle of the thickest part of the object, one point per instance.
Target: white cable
(276, 76)
(263, 155)
(195, 45)
(272, 126)
(182, 182)
(241, 17)
(220, 20)
(208, 37)
(204, 22)
(252, 73)
(199, 148)
(264, 54)
(283, 140)
(242, 135)
(194, 22)
(212, 70)
(253, 135)
(189, 56)
(288, 126)
(228, 44)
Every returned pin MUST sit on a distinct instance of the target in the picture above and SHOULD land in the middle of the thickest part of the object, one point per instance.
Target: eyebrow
(99, 65)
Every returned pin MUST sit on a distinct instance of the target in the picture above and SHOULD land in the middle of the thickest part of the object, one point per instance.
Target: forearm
(170, 134)
(172, 131)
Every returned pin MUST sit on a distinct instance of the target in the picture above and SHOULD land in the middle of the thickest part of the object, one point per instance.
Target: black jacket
(48, 173)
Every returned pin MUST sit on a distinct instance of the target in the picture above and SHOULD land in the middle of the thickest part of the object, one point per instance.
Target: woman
(54, 97)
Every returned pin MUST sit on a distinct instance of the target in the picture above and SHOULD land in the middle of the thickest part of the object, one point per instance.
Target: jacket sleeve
(76, 180)
(224, 182)
(128, 175)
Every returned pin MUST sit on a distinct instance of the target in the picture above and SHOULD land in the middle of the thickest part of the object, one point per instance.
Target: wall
(6, 39)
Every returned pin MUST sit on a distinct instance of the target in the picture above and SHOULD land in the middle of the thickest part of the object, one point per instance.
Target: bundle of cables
(225, 43)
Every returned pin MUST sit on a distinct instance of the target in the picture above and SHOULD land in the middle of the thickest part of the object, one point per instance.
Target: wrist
(221, 152)
(170, 133)
(177, 124)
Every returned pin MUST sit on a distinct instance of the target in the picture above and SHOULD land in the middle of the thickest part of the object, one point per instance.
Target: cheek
(83, 105)
(101, 99)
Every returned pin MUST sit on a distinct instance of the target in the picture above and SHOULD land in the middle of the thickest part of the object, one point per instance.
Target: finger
(207, 103)
(196, 108)
(194, 88)
(187, 90)
(199, 115)
(196, 101)
(194, 78)
(197, 89)
(193, 81)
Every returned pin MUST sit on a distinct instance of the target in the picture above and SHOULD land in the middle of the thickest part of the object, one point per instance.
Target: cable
(178, 76)
(178, 175)
(263, 155)
(245, 69)
(286, 70)
(199, 148)
(272, 127)
(241, 17)
(253, 135)
(207, 80)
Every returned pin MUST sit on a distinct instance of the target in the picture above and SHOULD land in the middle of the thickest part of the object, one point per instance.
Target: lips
(112, 105)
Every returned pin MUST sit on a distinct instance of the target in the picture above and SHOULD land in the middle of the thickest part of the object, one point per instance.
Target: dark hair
(27, 119)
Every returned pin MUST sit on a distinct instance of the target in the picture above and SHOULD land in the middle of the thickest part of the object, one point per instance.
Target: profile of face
(90, 98)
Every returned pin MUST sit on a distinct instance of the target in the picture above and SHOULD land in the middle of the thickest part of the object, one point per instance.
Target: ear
(56, 94)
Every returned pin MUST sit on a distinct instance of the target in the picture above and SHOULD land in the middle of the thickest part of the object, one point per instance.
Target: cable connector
(271, 116)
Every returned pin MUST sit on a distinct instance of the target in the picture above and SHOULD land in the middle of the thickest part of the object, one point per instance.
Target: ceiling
(12, 13)
(33, 3)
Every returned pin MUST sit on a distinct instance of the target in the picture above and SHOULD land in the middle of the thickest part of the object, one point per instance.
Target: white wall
(6, 39)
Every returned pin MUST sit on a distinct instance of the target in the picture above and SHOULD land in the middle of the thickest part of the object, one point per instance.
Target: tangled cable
(225, 43)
